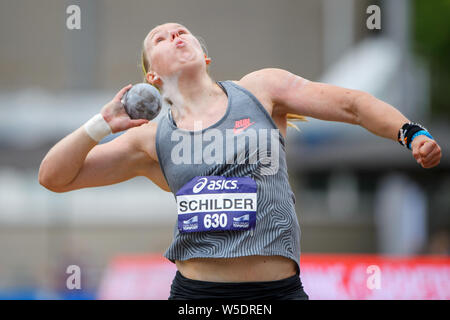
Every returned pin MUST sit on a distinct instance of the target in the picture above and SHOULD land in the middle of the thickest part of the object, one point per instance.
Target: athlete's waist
(239, 269)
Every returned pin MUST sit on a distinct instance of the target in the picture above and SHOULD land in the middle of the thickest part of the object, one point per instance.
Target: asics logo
(222, 184)
(200, 185)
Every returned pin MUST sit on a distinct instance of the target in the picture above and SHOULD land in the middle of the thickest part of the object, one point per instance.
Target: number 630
(215, 220)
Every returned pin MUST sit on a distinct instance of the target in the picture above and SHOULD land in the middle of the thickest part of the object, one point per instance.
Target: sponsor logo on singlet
(214, 185)
(241, 125)
(191, 223)
(242, 221)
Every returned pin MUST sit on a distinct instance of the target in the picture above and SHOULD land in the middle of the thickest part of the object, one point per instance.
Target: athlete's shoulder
(276, 84)
(254, 83)
(265, 81)
(145, 136)
(258, 82)
(147, 129)
(265, 76)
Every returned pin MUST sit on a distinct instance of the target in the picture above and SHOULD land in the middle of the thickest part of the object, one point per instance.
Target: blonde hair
(145, 65)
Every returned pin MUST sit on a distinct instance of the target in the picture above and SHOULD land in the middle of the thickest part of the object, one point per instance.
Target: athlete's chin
(188, 66)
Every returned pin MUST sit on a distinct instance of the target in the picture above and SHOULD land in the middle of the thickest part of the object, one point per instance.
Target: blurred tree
(432, 41)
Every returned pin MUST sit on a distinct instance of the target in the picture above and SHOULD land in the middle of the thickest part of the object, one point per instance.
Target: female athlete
(220, 149)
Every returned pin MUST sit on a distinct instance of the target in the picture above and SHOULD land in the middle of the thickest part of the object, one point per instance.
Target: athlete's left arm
(293, 94)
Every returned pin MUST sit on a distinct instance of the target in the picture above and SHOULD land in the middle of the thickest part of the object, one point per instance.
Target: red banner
(324, 276)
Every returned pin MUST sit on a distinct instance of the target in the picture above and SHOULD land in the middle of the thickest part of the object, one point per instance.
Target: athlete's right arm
(78, 162)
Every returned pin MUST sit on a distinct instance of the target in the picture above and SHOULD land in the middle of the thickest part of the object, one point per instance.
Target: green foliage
(432, 40)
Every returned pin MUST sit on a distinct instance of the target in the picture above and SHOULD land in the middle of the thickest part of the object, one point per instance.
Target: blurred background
(356, 193)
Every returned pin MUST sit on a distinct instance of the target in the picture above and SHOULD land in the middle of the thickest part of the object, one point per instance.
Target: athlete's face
(170, 48)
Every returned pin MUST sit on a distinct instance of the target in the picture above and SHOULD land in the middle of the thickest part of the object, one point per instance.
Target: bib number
(215, 220)
(216, 203)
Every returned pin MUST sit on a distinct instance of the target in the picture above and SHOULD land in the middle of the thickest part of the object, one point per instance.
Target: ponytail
(294, 117)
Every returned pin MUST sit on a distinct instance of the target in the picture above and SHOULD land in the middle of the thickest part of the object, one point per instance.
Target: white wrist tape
(97, 128)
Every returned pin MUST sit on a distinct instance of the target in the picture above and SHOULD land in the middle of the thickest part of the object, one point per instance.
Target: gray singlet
(228, 150)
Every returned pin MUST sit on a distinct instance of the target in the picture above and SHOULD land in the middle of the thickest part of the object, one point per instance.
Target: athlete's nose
(174, 34)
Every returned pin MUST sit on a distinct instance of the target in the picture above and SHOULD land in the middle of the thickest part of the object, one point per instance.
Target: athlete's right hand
(115, 115)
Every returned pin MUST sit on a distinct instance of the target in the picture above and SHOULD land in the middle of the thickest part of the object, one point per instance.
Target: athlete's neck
(190, 94)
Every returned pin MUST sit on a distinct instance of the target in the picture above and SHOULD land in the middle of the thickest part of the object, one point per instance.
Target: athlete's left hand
(426, 151)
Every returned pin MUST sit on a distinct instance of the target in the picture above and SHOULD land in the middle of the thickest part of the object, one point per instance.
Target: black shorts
(286, 289)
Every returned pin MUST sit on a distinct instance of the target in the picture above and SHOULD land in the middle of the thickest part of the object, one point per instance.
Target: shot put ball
(142, 101)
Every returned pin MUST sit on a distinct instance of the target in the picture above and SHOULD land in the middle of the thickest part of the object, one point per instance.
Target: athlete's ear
(153, 78)
(208, 60)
